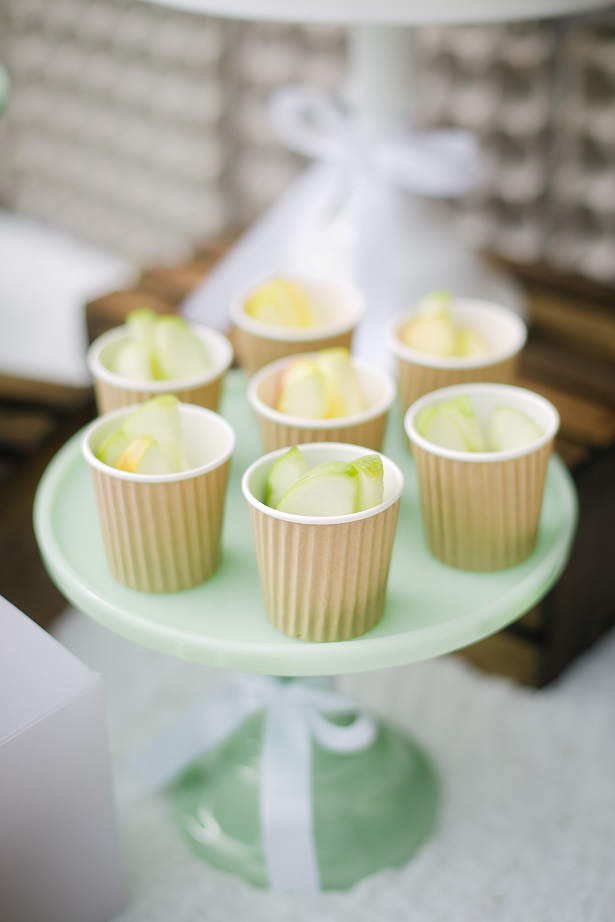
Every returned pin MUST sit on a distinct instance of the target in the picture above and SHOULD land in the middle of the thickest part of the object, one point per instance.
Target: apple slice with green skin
(451, 424)
(140, 325)
(144, 456)
(432, 329)
(286, 471)
(471, 343)
(303, 391)
(159, 418)
(283, 303)
(178, 353)
(113, 447)
(134, 361)
(327, 489)
(510, 429)
(343, 388)
(371, 481)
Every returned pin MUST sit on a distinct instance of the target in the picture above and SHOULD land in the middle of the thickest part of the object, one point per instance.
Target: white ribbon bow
(351, 192)
(294, 716)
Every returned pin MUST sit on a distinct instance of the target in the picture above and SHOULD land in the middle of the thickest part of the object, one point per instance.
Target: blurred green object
(372, 809)
(5, 84)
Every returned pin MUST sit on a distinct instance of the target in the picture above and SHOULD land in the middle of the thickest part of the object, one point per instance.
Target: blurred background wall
(145, 130)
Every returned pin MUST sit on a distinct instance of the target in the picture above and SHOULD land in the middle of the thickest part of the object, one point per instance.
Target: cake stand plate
(431, 608)
(372, 808)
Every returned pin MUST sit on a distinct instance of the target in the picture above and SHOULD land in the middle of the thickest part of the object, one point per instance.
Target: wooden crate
(36, 418)
(569, 358)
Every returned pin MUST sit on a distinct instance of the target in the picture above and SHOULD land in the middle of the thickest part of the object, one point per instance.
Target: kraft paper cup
(279, 429)
(481, 509)
(419, 373)
(162, 532)
(114, 391)
(323, 578)
(338, 305)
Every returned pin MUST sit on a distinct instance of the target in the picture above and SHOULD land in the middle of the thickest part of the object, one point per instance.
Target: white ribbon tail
(202, 726)
(286, 801)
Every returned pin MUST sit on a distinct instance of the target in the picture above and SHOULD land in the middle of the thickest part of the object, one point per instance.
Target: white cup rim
(299, 334)
(344, 447)
(186, 409)
(478, 306)
(502, 391)
(222, 361)
(300, 422)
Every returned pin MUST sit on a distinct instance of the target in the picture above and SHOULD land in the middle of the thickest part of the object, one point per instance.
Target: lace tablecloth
(526, 830)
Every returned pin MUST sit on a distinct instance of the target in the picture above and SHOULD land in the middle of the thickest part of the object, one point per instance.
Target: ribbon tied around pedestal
(341, 217)
(297, 713)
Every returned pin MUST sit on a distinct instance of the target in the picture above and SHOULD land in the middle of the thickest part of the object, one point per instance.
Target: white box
(59, 853)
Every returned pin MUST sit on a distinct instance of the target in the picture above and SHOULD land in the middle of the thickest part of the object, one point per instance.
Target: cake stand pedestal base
(371, 809)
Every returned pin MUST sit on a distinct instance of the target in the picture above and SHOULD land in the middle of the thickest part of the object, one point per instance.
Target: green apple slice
(159, 418)
(471, 343)
(283, 303)
(134, 361)
(371, 481)
(140, 325)
(327, 489)
(303, 391)
(436, 302)
(286, 471)
(510, 429)
(113, 447)
(178, 353)
(144, 456)
(451, 424)
(434, 334)
(342, 385)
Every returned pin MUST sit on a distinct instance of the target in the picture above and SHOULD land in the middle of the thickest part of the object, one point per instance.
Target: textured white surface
(526, 831)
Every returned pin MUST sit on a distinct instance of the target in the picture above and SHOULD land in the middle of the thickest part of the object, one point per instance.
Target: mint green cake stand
(373, 808)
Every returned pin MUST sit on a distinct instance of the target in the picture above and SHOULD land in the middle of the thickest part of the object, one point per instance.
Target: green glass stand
(372, 808)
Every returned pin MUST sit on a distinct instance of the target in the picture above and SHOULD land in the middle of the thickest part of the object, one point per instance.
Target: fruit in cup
(323, 386)
(433, 330)
(453, 424)
(159, 347)
(149, 440)
(281, 302)
(510, 429)
(330, 488)
(286, 471)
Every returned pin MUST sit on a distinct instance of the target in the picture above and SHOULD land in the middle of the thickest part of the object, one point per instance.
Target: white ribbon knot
(341, 217)
(441, 163)
(296, 713)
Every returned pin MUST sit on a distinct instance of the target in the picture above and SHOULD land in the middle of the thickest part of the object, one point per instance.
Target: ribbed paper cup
(339, 307)
(279, 429)
(419, 373)
(162, 532)
(323, 578)
(114, 391)
(481, 509)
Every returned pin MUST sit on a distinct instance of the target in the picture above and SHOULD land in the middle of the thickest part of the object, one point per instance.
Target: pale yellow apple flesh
(281, 302)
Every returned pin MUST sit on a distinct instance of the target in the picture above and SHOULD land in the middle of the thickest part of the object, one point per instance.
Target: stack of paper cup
(162, 532)
(323, 578)
(420, 372)
(114, 391)
(481, 510)
(279, 429)
(338, 306)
